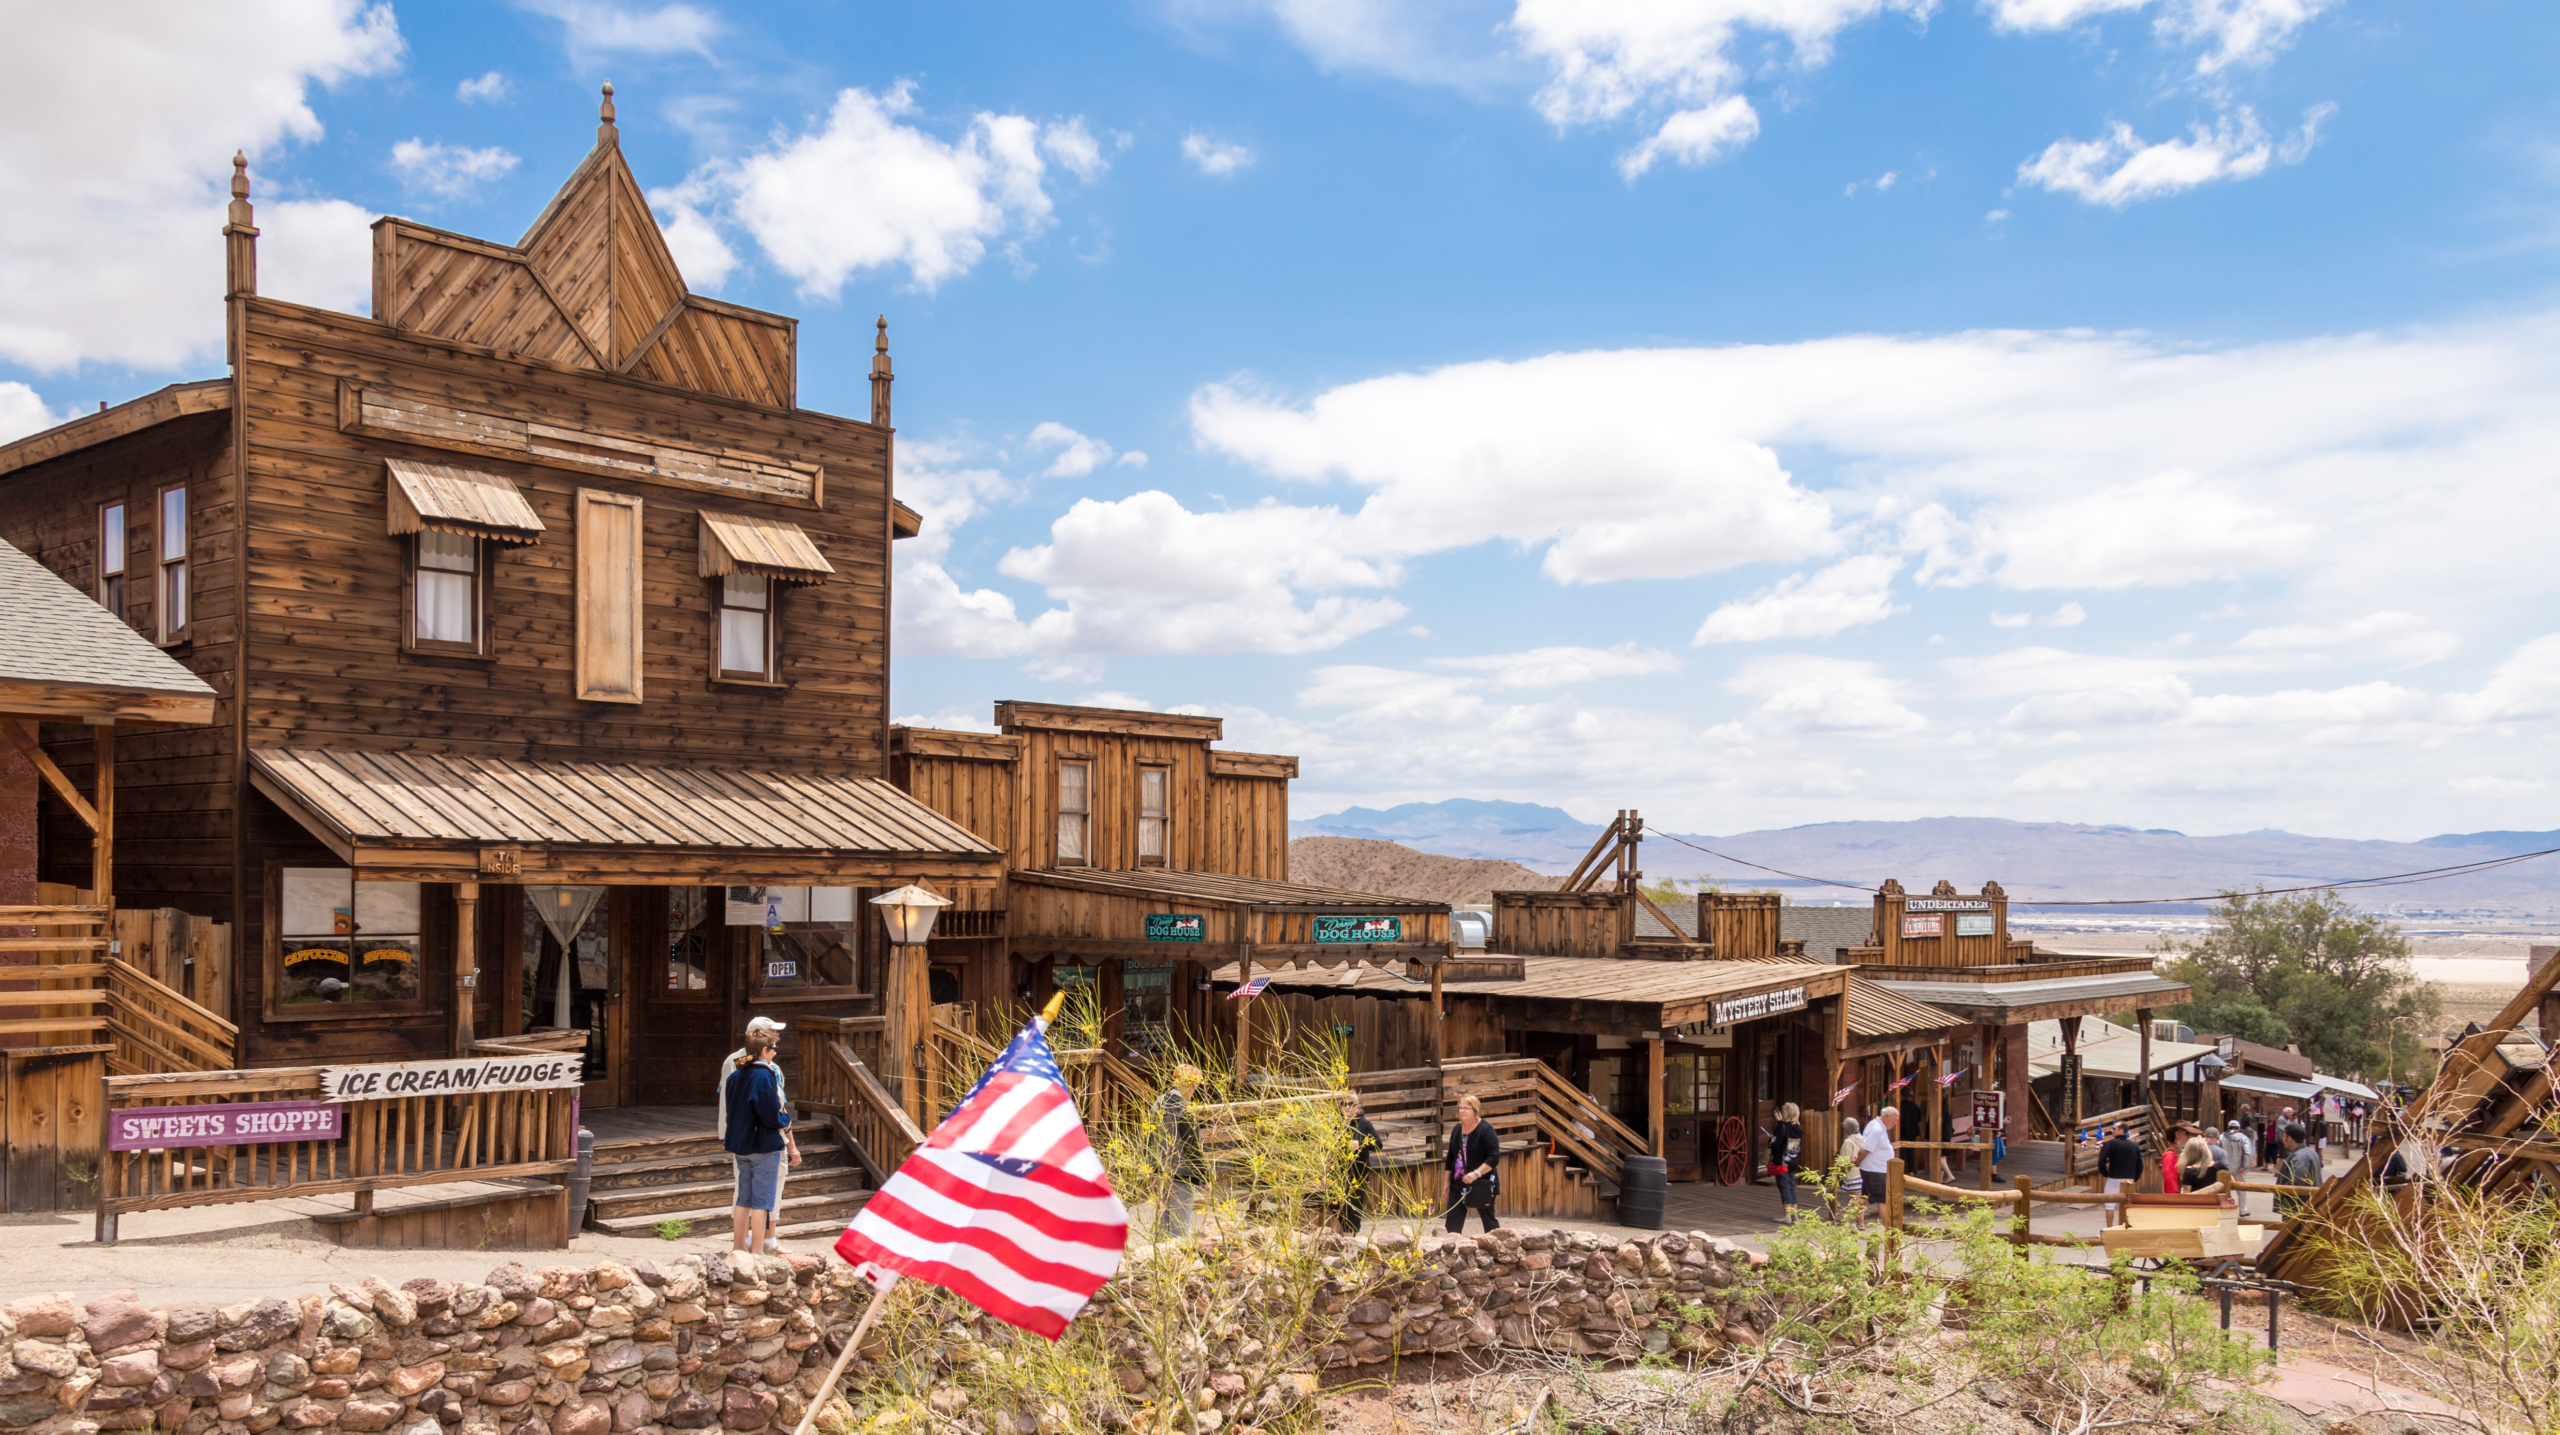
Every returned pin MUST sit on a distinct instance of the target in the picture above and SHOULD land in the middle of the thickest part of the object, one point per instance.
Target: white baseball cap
(764, 1023)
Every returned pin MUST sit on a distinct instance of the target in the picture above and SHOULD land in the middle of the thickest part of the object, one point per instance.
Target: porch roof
(2004, 1002)
(449, 816)
(1678, 993)
(1255, 892)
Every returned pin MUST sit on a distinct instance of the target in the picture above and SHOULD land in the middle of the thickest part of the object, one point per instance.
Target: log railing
(2080, 1152)
(388, 1143)
(1528, 1103)
(157, 1028)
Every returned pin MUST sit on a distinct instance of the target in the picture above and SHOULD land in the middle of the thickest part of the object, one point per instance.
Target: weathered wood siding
(1112, 840)
(1739, 924)
(325, 582)
(175, 799)
(1558, 924)
(1946, 949)
(1248, 825)
(969, 778)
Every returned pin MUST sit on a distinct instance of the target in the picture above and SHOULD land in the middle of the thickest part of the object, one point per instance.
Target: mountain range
(2050, 862)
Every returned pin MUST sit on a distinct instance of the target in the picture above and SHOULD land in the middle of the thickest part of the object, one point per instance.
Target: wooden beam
(466, 969)
(68, 702)
(1574, 882)
(53, 776)
(102, 841)
(177, 401)
(1653, 1117)
(2142, 1079)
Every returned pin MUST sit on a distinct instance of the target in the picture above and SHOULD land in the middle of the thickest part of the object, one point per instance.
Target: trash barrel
(581, 1176)
(1640, 1195)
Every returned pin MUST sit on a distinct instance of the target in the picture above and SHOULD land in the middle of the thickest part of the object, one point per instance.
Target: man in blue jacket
(754, 1129)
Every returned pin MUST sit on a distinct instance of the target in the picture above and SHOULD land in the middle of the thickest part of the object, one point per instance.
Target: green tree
(2305, 968)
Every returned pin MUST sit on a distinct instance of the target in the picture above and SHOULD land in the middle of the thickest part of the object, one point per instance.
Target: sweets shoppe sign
(251, 1123)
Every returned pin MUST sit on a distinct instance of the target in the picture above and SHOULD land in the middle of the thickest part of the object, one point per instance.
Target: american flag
(1952, 1077)
(1250, 989)
(1006, 1204)
(1906, 1081)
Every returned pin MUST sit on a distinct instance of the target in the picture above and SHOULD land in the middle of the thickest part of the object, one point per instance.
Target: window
(689, 934)
(1152, 784)
(812, 940)
(1146, 1004)
(1075, 813)
(746, 627)
(346, 943)
(608, 668)
(173, 564)
(111, 558)
(444, 591)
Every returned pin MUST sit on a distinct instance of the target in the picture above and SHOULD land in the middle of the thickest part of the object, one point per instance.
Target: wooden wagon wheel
(1733, 1152)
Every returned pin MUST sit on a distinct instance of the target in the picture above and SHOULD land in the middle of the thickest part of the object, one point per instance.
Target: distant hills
(2034, 861)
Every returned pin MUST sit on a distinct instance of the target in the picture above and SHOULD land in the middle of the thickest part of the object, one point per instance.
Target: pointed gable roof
(592, 285)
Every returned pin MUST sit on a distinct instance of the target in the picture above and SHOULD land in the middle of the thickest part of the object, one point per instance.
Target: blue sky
(1755, 411)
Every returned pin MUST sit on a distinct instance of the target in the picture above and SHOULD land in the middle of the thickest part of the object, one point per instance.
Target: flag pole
(835, 1372)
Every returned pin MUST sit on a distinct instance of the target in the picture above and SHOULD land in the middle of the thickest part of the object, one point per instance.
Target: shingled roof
(60, 653)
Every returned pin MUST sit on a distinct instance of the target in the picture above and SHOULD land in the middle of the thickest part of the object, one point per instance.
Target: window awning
(743, 543)
(2271, 1086)
(2341, 1085)
(459, 500)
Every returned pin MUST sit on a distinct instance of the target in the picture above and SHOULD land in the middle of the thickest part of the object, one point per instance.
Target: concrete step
(689, 1168)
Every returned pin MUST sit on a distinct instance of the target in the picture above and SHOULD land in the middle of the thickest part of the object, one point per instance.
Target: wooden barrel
(1640, 1196)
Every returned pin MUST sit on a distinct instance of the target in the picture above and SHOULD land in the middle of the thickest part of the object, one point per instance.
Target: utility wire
(2395, 879)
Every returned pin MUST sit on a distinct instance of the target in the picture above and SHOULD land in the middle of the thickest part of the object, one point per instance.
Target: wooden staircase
(639, 1184)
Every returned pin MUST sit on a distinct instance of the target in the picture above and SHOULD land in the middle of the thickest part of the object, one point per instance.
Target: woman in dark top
(753, 1131)
(1473, 1162)
(1354, 1207)
(1786, 1152)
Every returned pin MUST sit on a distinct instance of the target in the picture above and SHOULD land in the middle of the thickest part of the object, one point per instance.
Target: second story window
(1152, 785)
(1075, 814)
(746, 627)
(174, 614)
(111, 557)
(445, 592)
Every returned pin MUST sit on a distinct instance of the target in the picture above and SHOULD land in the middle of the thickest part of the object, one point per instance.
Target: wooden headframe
(591, 285)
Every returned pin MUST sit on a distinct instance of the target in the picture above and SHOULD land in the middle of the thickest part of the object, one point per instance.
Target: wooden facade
(536, 581)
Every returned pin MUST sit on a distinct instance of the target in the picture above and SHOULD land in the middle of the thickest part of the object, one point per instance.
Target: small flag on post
(1952, 1077)
(1250, 989)
(1906, 1081)
(1843, 1094)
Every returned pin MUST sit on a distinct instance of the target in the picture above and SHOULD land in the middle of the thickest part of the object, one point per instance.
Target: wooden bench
(2194, 1226)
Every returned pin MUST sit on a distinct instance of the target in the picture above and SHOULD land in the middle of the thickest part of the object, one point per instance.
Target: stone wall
(741, 1343)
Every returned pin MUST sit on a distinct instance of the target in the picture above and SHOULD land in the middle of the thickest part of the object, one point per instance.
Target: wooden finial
(240, 235)
(880, 375)
(604, 130)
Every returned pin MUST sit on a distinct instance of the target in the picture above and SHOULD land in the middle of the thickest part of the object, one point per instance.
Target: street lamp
(910, 911)
(906, 994)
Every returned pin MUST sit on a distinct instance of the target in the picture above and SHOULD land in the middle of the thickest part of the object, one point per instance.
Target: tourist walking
(1186, 1168)
(2196, 1161)
(1365, 1145)
(760, 1026)
(754, 1130)
(2301, 1166)
(1850, 1200)
(1876, 1153)
(2239, 1153)
(2169, 1146)
(1786, 1157)
(1474, 1165)
(2119, 1166)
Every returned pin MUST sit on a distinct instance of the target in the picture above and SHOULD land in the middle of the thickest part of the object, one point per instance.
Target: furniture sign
(1752, 1008)
(1175, 926)
(1973, 924)
(466, 1077)
(1357, 929)
(1924, 926)
(237, 1123)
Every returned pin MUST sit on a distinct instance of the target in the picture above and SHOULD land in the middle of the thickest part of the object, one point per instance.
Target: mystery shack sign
(1752, 1008)
(451, 1078)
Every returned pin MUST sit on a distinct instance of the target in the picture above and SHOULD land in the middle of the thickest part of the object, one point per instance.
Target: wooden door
(677, 980)
(574, 943)
(1680, 1150)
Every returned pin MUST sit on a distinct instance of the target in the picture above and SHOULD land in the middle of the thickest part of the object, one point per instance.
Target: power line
(2395, 879)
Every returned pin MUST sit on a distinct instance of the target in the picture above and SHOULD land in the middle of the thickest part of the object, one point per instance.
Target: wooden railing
(1528, 1103)
(2080, 1152)
(157, 1028)
(58, 992)
(879, 1130)
(400, 1141)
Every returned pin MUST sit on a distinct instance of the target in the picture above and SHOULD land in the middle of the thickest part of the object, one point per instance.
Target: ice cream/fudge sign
(235, 1123)
(466, 1077)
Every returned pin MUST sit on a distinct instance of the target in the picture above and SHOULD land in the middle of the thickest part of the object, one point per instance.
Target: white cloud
(2231, 32)
(1608, 62)
(865, 191)
(487, 89)
(2122, 169)
(115, 251)
(599, 27)
(2165, 530)
(22, 412)
(2403, 636)
(1076, 454)
(2524, 688)
(1216, 158)
(1848, 594)
(1435, 42)
(2069, 615)
(1818, 696)
(1561, 667)
(702, 255)
(447, 171)
(1134, 458)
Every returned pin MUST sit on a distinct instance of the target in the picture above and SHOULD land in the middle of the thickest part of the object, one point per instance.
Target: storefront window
(1680, 1084)
(347, 942)
(568, 966)
(1711, 1081)
(688, 942)
(1146, 1001)
(812, 940)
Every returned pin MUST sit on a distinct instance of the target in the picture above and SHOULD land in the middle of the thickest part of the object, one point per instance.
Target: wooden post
(1893, 1194)
(466, 962)
(1439, 1015)
(906, 1012)
(2142, 1078)
(1653, 1122)
(1244, 1014)
(102, 849)
(2021, 1222)
(2071, 1088)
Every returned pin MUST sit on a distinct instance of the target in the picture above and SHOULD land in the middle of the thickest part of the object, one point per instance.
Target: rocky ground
(1356, 864)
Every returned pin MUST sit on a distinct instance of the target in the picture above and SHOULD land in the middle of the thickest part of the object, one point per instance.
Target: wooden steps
(637, 1185)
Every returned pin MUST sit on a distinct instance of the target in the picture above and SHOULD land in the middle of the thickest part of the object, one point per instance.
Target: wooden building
(1137, 856)
(550, 639)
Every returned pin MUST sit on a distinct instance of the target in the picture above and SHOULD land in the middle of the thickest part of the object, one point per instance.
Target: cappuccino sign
(1753, 1008)
(452, 1078)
